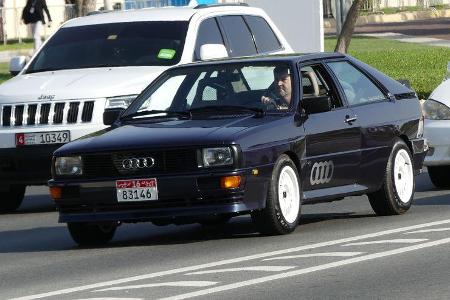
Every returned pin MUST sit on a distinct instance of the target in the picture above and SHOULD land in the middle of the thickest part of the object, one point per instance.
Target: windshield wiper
(155, 112)
(228, 108)
(43, 70)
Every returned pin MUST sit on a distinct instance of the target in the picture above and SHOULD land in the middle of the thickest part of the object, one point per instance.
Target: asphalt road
(433, 28)
(341, 250)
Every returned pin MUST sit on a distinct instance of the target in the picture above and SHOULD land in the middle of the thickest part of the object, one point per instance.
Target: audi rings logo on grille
(322, 172)
(138, 163)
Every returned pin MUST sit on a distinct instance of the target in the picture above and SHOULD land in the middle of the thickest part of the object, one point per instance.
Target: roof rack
(96, 12)
(200, 6)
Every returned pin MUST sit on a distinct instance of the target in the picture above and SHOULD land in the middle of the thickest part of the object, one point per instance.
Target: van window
(239, 37)
(113, 45)
(265, 38)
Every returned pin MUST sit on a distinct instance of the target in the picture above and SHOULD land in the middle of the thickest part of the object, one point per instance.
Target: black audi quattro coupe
(261, 136)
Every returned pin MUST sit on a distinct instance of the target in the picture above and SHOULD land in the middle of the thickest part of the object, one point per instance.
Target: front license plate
(137, 190)
(42, 138)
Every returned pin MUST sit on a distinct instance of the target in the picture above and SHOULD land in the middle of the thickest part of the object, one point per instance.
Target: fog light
(56, 192)
(230, 182)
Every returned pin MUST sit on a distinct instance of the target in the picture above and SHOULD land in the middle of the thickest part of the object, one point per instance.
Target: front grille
(166, 161)
(44, 113)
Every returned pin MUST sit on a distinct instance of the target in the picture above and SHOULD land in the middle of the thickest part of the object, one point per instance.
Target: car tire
(283, 204)
(397, 192)
(439, 176)
(11, 199)
(92, 234)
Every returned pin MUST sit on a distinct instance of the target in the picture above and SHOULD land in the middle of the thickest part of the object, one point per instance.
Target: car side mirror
(213, 51)
(16, 64)
(314, 105)
(111, 115)
(448, 70)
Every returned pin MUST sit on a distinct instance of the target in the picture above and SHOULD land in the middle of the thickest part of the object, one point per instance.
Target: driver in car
(279, 93)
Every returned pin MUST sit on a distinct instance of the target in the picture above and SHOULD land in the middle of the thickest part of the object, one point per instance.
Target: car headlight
(119, 102)
(216, 157)
(434, 110)
(69, 166)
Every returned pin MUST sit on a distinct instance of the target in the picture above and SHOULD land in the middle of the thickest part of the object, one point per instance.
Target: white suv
(103, 61)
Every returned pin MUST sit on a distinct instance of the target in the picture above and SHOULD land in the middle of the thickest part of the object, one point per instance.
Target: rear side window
(265, 38)
(208, 33)
(239, 37)
(358, 88)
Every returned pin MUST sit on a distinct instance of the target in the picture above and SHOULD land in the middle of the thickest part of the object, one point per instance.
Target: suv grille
(165, 161)
(70, 112)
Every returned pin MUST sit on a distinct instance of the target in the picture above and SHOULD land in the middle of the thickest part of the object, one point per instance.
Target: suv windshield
(217, 89)
(111, 45)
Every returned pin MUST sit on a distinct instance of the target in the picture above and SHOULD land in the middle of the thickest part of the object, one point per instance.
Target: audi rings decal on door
(322, 172)
(138, 163)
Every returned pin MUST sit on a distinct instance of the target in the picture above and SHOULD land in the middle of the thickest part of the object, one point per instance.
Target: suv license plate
(42, 138)
(137, 190)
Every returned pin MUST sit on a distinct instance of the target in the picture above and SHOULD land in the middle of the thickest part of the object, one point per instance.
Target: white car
(437, 131)
(104, 61)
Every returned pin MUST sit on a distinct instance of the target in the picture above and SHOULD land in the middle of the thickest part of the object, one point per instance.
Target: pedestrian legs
(36, 29)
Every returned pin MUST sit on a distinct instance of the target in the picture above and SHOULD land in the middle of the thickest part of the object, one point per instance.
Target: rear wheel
(439, 176)
(282, 211)
(11, 199)
(92, 234)
(396, 194)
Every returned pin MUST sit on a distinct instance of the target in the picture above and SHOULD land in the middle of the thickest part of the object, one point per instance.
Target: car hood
(442, 93)
(167, 133)
(78, 84)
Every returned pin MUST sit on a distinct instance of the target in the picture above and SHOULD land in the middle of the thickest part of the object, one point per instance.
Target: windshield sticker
(166, 53)
(112, 37)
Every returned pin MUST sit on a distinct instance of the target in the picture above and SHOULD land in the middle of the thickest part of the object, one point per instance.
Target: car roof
(169, 13)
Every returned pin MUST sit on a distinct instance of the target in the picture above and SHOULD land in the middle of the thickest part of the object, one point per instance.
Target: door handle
(349, 120)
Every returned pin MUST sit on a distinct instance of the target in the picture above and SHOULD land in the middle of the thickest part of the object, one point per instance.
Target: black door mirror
(111, 115)
(314, 105)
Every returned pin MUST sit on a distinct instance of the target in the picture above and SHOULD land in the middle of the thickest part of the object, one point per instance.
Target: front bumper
(437, 134)
(178, 196)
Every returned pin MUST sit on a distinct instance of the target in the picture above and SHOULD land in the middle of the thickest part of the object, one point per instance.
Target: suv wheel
(92, 234)
(11, 199)
(282, 211)
(397, 191)
(438, 176)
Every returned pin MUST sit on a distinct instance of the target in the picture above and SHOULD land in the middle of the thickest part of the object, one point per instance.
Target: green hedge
(424, 66)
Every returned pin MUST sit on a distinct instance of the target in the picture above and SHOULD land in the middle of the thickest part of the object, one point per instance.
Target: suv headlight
(119, 102)
(434, 110)
(217, 157)
(69, 166)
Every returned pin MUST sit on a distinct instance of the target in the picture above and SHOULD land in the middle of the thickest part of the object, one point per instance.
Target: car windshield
(217, 89)
(112, 45)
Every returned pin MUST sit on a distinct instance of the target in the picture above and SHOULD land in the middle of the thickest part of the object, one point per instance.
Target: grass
(14, 45)
(424, 66)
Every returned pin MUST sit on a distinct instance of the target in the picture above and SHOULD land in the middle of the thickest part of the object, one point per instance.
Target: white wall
(301, 21)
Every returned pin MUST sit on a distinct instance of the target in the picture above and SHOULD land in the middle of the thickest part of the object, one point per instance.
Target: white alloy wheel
(289, 194)
(403, 176)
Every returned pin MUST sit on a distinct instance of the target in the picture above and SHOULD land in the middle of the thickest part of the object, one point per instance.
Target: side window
(208, 33)
(316, 83)
(357, 87)
(265, 38)
(239, 37)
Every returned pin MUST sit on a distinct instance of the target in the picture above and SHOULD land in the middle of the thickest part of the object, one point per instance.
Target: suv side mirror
(111, 115)
(213, 51)
(314, 105)
(16, 64)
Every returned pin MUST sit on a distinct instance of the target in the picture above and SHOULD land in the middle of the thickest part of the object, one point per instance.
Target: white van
(104, 61)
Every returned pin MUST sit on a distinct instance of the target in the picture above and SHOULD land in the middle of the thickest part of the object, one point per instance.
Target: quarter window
(208, 33)
(358, 88)
(265, 38)
(239, 37)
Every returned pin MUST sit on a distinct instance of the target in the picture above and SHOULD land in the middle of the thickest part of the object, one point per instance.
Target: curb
(394, 18)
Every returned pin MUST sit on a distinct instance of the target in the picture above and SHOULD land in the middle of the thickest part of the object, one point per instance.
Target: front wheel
(396, 194)
(282, 211)
(11, 199)
(92, 234)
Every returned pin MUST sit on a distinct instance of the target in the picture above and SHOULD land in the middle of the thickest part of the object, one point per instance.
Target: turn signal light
(230, 182)
(55, 192)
